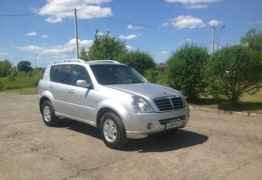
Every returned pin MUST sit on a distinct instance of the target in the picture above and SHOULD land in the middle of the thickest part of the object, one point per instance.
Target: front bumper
(141, 125)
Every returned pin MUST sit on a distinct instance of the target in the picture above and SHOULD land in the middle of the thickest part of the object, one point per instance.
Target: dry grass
(250, 103)
(253, 98)
(22, 91)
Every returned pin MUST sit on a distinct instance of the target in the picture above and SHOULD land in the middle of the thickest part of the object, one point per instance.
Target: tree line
(20, 76)
(228, 73)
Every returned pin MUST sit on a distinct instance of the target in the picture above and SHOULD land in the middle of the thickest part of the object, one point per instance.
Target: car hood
(147, 90)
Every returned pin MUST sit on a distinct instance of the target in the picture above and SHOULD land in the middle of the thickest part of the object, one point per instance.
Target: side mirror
(83, 83)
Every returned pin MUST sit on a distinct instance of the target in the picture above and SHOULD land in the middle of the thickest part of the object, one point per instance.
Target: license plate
(175, 123)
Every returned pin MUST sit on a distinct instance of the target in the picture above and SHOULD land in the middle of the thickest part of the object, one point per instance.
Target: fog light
(149, 126)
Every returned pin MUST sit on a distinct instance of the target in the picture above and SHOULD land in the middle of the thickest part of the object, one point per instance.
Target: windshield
(116, 74)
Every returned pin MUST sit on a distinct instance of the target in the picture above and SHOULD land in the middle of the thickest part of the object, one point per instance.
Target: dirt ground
(213, 146)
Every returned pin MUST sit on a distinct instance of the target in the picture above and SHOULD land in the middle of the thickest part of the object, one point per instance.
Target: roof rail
(75, 60)
(104, 61)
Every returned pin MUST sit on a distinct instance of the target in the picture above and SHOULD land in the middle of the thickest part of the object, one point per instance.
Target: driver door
(83, 99)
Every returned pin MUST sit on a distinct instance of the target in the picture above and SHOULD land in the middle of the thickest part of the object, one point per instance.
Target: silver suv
(111, 96)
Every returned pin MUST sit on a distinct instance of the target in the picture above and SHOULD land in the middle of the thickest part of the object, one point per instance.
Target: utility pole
(213, 38)
(76, 34)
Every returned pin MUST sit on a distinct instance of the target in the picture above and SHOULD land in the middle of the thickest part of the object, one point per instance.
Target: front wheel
(48, 113)
(113, 131)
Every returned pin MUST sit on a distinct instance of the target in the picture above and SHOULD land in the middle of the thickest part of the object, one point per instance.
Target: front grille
(169, 103)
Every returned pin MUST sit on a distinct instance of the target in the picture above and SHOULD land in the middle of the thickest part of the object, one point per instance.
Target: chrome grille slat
(169, 103)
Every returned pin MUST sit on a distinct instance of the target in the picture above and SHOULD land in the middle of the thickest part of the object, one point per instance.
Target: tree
(253, 39)
(155, 75)
(5, 68)
(84, 55)
(24, 66)
(233, 71)
(106, 47)
(141, 61)
(186, 70)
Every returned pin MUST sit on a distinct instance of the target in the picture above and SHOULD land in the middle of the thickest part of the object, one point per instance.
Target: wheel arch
(111, 106)
(45, 96)
(102, 111)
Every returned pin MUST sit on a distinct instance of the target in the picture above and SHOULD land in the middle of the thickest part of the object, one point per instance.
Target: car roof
(92, 62)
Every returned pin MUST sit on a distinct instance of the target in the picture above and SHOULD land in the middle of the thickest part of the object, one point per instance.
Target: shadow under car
(160, 142)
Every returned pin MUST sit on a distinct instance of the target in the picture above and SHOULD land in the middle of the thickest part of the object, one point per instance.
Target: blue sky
(42, 31)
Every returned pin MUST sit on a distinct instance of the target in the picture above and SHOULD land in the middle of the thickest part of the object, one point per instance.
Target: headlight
(141, 105)
(185, 104)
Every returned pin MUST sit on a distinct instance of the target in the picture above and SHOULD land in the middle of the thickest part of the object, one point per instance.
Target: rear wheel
(48, 113)
(112, 130)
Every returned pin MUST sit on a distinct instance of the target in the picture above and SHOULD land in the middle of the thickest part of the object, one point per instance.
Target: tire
(47, 108)
(113, 131)
(172, 131)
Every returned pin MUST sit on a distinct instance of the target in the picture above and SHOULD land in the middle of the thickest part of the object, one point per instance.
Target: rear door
(61, 87)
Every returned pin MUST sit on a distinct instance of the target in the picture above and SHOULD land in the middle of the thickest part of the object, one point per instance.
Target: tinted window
(116, 74)
(79, 73)
(69, 74)
(61, 74)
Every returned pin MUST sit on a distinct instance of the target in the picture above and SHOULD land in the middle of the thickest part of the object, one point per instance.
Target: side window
(61, 74)
(79, 73)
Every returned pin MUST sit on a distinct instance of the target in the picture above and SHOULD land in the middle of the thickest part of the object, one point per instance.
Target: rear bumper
(141, 125)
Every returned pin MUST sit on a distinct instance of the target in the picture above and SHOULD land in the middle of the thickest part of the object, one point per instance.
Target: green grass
(249, 103)
(20, 81)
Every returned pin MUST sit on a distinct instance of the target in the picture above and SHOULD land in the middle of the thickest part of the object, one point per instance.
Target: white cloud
(44, 36)
(215, 23)
(57, 10)
(134, 27)
(31, 33)
(164, 52)
(131, 48)
(128, 37)
(64, 50)
(183, 22)
(31, 48)
(3, 54)
(193, 4)
(258, 22)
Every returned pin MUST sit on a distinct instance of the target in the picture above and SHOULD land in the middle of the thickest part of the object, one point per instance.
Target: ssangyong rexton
(111, 96)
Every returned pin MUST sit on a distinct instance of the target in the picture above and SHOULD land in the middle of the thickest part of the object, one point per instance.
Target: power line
(114, 19)
(17, 15)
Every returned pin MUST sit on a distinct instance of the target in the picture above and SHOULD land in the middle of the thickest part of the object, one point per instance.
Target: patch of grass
(20, 80)
(22, 91)
(249, 103)
(253, 98)
(242, 106)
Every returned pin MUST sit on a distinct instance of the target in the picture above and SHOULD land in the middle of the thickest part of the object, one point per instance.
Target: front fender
(118, 107)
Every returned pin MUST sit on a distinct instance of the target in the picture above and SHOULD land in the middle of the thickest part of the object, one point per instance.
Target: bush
(233, 71)
(253, 39)
(186, 70)
(141, 61)
(5, 68)
(24, 66)
(154, 75)
(20, 80)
